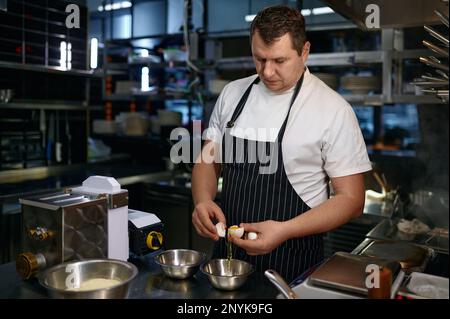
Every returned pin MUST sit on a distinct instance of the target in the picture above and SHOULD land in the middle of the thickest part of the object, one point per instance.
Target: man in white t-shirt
(279, 138)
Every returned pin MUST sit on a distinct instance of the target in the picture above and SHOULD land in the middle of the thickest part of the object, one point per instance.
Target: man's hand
(203, 216)
(270, 233)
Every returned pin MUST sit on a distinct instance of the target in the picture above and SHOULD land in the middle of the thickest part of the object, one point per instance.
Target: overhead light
(249, 17)
(94, 53)
(305, 13)
(65, 49)
(126, 4)
(145, 79)
(322, 10)
(115, 6)
(69, 56)
(63, 54)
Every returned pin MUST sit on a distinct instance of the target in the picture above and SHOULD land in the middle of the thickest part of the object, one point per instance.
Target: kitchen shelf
(115, 68)
(379, 99)
(146, 97)
(40, 105)
(333, 59)
(48, 69)
(167, 65)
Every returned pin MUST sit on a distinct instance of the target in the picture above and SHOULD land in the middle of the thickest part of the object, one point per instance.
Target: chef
(279, 138)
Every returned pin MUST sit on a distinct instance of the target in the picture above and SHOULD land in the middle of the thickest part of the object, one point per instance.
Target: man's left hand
(270, 235)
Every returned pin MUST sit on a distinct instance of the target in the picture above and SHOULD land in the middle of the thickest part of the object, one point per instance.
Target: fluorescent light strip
(249, 17)
(69, 56)
(126, 4)
(63, 57)
(115, 6)
(322, 10)
(94, 53)
(145, 79)
(305, 13)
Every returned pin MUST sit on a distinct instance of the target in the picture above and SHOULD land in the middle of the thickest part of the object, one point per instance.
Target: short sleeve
(344, 151)
(214, 130)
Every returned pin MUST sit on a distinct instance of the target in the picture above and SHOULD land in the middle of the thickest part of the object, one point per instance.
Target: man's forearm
(204, 182)
(333, 213)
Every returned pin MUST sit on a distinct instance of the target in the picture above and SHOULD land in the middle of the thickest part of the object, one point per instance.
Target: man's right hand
(203, 216)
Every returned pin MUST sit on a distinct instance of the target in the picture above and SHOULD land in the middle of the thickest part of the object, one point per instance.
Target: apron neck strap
(244, 98)
(297, 88)
(240, 106)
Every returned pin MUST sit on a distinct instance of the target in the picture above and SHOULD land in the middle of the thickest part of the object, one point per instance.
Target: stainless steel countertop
(150, 283)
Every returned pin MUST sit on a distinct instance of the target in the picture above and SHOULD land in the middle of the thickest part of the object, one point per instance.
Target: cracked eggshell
(236, 231)
(220, 227)
(252, 236)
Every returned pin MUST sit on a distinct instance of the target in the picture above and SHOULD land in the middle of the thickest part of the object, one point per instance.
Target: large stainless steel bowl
(227, 274)
(180, 263)
(57, 279)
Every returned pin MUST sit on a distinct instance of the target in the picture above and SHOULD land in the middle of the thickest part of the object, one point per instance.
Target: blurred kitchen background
(103, 98)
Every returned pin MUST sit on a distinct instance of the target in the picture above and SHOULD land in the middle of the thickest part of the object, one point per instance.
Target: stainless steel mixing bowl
(55, 279)
(227, 274)
(180, 263)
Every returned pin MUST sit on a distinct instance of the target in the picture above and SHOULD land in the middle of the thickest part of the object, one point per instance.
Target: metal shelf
(146, 97)
(379, 99)
(48, 69)
(314, 59)
(168, 65)
(40, 105)
(345, 58)
(333, 59)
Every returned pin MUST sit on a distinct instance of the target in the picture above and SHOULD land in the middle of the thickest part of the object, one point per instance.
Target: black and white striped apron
(250, 197)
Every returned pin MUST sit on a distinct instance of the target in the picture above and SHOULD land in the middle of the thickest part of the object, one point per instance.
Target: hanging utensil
(435, 48)
(430, 83)
(279, 282)
(443, 74)
(433, 64)
(442, 17)
(432, 78)
(436, 35)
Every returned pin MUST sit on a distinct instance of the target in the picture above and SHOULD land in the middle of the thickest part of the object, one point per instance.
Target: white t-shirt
(322, 136)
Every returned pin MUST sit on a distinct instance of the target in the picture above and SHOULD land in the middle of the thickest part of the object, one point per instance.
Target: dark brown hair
(274, 22)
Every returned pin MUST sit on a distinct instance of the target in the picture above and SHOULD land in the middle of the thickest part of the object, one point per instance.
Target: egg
(236, 231)
(220, 227)
(252, 236)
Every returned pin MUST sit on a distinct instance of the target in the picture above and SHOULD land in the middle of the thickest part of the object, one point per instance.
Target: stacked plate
(360, 84)
(329, 79)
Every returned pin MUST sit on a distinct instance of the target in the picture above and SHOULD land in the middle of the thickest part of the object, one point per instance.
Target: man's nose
(268, 69)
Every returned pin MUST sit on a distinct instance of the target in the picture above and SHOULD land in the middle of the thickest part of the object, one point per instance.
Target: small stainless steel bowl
(227, 274)
(180, 263)
(57, 278)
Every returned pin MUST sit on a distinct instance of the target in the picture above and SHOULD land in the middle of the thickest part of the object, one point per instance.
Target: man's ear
(305, 51)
